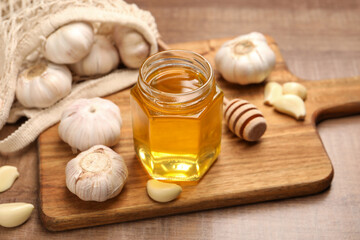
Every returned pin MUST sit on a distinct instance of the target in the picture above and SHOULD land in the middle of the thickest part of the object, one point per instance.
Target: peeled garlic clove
(69, 44)
(43, 84)
(14, 214)
(273, 90)
(89, 122)
(162, 192)
(132, 46)
(97, 174)
(291, 105)
(296, 89)
(246, 59)
(103, 58)
(8, 175)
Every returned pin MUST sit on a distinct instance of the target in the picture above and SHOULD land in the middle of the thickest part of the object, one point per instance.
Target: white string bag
(24, 23)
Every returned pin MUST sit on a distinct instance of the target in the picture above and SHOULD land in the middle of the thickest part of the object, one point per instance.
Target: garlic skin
(89, 122)
(8, 175)
(69, 44)
(133, 48)
(246, 59)
(14, 214)
(103, 58)
(43, 84)
(97, 174)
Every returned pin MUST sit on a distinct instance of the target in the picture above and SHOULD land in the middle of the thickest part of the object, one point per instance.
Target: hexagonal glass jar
(176, 116)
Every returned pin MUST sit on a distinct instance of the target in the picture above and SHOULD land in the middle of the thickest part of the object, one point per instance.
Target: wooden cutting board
(288, 161)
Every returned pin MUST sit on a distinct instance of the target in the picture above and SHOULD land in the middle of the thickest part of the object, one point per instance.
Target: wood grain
(288, 161)
(319, 40)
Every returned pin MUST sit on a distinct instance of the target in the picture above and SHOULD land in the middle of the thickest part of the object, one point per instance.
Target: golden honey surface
(179, 145)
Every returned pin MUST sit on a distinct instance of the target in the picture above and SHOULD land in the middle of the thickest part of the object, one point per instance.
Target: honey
(176, 116)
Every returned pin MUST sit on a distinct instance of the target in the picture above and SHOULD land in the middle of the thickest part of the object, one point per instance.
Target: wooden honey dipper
(244, 119)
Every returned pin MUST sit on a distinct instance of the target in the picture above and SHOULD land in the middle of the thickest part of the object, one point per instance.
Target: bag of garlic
(24, 26)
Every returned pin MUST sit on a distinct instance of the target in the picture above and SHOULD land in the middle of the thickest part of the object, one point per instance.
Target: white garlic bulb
(246, 59)
(132, 46)
(69, 44)
(97, 174)
(89, 122)
(103, 58)
(43, 84)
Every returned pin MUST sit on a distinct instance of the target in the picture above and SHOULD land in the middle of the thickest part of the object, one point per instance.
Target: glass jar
(176, 116)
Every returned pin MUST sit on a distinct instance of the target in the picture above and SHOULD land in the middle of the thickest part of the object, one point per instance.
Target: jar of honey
(176, 116)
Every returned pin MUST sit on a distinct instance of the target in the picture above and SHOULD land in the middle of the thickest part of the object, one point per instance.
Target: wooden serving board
(288, 161)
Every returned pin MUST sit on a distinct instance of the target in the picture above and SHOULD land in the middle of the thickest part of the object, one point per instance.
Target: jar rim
(176, 53)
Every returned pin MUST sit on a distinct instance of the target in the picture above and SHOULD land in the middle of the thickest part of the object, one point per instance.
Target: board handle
(334, 98)
(327, 99)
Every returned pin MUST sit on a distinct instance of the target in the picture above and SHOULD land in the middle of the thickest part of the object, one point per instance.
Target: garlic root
(97, 174)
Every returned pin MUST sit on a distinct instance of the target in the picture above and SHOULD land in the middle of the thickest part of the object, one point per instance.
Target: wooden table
(319, 40)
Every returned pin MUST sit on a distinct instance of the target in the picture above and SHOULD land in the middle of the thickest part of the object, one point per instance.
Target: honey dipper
(244, 119)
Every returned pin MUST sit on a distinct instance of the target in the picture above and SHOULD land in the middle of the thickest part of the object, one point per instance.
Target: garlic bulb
(69, 44)
(133, 48)
(89, 122)
(97, 174)
(103, 58)
(246, 59)
(43, 84)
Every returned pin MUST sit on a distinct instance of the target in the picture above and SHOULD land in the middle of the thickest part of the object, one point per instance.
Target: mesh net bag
(25, 23)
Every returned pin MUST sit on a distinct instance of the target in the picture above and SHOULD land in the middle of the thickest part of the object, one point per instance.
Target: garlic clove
(97, 174)
(246, 59)
(227, 65)
(8, 175)
(69, 44)
(291, 105)
(272, 91)
(132, 46)
(14, 214)
(43, 84)
(162, 192)
(89, 122)
(296, 89)
(103, 58)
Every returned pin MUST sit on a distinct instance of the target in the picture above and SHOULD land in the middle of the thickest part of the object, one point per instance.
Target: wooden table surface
(319, 39)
